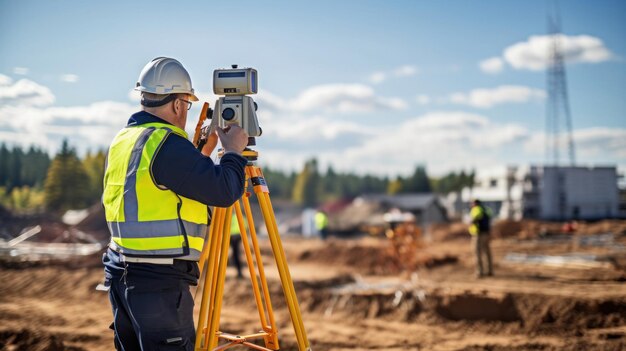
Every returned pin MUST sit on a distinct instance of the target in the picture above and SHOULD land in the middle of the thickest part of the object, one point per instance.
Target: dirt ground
(355, 297)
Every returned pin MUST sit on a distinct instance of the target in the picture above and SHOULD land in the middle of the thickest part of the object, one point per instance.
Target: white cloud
(5, 80)
(453, 120)
(405, 71)
(443, 140)
(402, 71)
(69, 78)
(423, 99)
(492, 65)
(21, 70)
(592, 145)
(536, 52)
(486, 98)
(28, 117)
(594, 142)
(92, 126)
(269, 101)
(98, 113)
(377, 77)
(344, 98)
(312, 129)
(24, 92)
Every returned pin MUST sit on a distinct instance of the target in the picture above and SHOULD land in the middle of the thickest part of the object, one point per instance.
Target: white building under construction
(547, 192)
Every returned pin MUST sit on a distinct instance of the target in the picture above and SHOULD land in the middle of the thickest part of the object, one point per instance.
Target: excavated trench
(594, 321)
(524, 312)
(521, 312)
(354, 300)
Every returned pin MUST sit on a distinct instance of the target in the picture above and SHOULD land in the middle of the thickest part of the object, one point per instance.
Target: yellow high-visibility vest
(145, 219)
(476, 214)
(321, 220)
(234, 225)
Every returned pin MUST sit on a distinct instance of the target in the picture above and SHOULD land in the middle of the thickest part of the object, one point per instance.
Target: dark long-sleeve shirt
(180, 167)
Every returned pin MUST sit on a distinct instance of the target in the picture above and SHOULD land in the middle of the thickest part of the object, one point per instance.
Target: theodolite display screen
(231, 74)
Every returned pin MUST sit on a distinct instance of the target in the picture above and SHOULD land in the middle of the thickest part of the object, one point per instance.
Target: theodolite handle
(198, 133)
(205, 139)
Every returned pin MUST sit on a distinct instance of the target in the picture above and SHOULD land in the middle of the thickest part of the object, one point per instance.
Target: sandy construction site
(554, 292)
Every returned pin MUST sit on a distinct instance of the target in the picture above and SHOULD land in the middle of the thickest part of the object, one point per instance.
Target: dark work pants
(482, 249)
(152, 314)
(324, 233)
(235, 241)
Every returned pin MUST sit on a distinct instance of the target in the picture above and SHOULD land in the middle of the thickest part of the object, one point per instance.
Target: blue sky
(367, 86)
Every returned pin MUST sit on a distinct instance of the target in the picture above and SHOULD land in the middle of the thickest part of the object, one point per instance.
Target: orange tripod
(213, 262)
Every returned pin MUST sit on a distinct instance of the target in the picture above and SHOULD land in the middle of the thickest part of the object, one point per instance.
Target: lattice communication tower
(558, 112)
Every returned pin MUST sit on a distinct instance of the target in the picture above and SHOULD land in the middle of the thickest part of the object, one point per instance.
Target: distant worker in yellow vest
(321, 224)
(157, 189)
(480, 230)
(235, 242)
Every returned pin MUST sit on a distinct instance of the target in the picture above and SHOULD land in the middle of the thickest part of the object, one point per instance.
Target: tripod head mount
(249, 154)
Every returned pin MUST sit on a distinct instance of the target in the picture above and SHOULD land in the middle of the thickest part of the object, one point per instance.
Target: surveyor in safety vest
(480, 230)
(321, 224)
(157, 189)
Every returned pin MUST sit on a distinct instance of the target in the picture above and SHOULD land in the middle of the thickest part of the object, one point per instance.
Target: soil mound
(375, 259)
(32, 341)
(528, 229)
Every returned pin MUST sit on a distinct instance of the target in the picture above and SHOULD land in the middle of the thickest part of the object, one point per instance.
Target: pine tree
(329, 183)
(306, 189)
(454, 182)
(94, 166)
(15, 168)
(34, 167)
(67, 183)
(418, 182)
(4, 165)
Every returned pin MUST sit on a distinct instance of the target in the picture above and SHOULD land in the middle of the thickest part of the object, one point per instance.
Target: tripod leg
(285, 276)
(218, 281)
(271, 341)
(279, 255)
(212, 254)
(216, 256)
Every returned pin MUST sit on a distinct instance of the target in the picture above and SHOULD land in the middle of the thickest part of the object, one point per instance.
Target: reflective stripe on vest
(144, 219)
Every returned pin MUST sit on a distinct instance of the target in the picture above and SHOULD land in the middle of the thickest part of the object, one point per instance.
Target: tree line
(310, 186)
(32, 181)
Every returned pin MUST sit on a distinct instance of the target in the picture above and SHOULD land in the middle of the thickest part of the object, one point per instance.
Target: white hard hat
(164, 75)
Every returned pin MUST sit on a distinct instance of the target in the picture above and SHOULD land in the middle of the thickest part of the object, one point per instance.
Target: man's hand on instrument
(233, 138)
